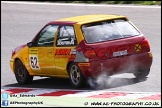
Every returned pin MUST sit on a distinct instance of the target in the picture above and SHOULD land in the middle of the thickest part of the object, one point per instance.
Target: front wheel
(141, 73)
(21, 74)
(76, 78)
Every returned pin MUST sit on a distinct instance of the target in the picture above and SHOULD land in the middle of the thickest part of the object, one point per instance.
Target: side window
(66, 36)
(46, 36)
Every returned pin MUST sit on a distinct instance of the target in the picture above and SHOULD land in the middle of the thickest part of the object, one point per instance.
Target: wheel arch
(22, 75)
(17, 58)
(82, 79)
(67, 66)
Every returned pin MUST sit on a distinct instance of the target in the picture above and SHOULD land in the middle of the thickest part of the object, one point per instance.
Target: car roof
(90, 18)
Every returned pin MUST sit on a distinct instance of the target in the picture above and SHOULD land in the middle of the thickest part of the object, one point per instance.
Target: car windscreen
(108, 30)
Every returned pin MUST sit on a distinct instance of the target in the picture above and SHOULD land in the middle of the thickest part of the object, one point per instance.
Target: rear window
(108, 30)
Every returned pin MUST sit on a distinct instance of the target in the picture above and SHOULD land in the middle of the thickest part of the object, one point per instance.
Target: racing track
(20, 22)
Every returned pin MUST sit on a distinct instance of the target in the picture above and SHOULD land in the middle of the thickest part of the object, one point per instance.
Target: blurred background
(111, 2)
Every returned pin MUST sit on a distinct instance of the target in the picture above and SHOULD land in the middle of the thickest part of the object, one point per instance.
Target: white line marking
(79, 4)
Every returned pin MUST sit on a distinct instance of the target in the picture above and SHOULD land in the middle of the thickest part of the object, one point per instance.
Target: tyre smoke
(105, 81)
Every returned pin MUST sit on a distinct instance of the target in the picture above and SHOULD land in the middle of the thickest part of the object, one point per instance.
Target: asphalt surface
(21, 22)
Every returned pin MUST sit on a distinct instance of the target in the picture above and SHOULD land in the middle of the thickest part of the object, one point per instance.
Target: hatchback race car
(83, 47)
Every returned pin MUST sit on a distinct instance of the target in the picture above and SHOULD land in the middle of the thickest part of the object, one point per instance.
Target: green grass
(113, 2)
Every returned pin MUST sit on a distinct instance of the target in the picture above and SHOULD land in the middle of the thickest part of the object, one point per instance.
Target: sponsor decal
(73, 51)
(33, 51)
(65, 56)
(84, 64)
(62, 51)
(120, 53)
(65, 42)
(137, 47)
(65, 53)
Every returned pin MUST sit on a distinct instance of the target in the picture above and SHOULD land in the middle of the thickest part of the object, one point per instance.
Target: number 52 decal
(34, 62)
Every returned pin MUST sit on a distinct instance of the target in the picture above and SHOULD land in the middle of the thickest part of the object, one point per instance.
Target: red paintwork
(15, 90)
(133, 60)
(18, 49)
(117, 65)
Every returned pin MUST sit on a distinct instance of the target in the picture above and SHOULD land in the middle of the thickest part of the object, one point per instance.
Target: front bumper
(12, 64)
(121, 64)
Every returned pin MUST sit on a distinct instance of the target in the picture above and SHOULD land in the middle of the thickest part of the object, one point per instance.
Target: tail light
(145, 47)
(89, 53)
(102, 53)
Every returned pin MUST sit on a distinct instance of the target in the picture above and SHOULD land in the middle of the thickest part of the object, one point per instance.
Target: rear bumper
(122, 64)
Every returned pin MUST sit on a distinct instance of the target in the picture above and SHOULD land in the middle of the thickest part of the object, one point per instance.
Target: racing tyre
(141, 73)
(21, 73)
(75, 75)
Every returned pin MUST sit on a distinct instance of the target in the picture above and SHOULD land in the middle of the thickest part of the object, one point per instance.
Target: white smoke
(104, 81)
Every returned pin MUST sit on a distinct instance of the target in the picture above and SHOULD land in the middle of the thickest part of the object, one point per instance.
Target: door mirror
(30, 44)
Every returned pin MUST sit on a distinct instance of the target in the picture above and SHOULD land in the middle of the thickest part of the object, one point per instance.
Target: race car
(83, 47)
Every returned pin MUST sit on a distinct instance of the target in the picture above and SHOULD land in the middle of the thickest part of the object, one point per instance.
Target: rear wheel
(76, 78)
(142, 73)
(21, 73)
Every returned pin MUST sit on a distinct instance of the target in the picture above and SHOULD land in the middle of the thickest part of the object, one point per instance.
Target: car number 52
(34, 62)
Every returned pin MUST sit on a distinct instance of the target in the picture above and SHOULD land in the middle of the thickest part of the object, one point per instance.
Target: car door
(41, 54)
(66, 41)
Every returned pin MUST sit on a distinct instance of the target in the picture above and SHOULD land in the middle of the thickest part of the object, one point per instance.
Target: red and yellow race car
(81, 47)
